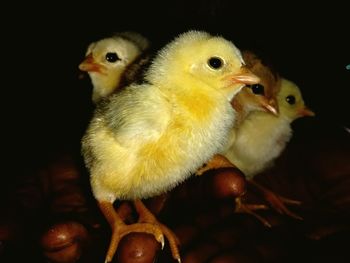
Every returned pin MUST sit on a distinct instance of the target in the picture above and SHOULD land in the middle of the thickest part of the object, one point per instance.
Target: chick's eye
(215, 62)
(112, 57)
(290, 99)
(258, 89)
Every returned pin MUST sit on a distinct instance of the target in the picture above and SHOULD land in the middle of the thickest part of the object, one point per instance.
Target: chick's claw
(173, 240)
(146, 216)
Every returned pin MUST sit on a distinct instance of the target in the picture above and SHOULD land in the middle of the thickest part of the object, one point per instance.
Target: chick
(148, 138)
(262, 137)
(113, 62)
(254, 149)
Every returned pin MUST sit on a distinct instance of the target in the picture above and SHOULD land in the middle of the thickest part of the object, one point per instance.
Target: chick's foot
(277, 202)
(120, 229)
(146, 217)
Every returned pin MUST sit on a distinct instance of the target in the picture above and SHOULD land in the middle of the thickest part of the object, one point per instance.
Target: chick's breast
(260, 139)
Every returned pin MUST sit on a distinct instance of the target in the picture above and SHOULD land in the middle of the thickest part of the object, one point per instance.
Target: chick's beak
(306, 112)
(89, 65)
(244, 77)
(272, 107)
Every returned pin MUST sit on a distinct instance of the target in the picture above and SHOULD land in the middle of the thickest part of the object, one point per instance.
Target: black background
(47, 107)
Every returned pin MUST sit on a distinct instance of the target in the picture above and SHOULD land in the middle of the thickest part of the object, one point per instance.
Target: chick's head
(291, 102)
(199, 57)
(263, 95)
(109, 55)
(107, 59)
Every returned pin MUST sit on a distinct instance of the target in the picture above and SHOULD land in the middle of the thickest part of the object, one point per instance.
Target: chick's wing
(137, 113)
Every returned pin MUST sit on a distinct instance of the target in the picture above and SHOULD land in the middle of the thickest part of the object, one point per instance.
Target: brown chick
(257, 97)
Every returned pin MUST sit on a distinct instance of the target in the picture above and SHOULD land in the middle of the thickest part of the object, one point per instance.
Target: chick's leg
(120, 229)
(145, 216)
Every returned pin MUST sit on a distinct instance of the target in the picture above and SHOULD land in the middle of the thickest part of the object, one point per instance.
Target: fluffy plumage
(147, 138)
(261, 137)
(113, 62)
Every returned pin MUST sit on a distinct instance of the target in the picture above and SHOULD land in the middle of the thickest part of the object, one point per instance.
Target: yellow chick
(108, 59)
(148, 138)
(261, 137)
